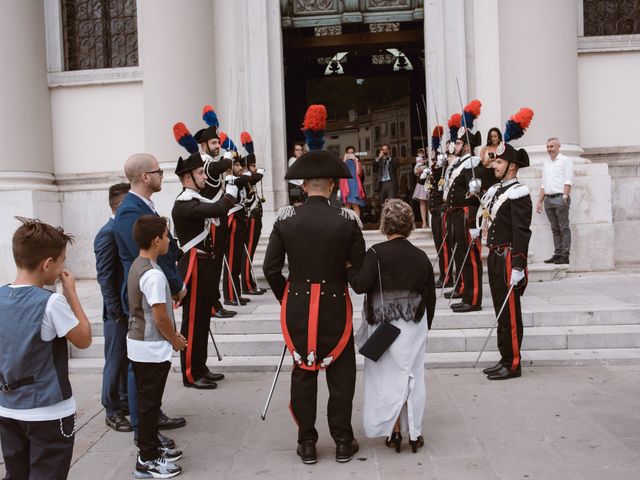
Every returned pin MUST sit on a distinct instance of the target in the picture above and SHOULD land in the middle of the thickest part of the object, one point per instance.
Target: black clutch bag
(383, 336)
(379, 341)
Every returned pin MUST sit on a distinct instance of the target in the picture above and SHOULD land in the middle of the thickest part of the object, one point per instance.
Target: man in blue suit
(110, 276)
(145, 176)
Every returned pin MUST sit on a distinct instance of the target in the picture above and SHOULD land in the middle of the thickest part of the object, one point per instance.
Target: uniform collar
(508, 182)
(318, 199)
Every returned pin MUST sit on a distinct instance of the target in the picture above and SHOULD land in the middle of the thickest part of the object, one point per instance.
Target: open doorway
(371, 79)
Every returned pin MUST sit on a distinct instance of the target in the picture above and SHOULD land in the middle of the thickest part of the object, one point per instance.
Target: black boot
(416, 444)
(307, 452)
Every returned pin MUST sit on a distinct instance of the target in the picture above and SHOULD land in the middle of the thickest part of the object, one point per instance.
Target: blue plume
(229, 145)
(435, 143)
(189, 143)
(453, 133)
(512, 131)
(314, 139)
(469, 118)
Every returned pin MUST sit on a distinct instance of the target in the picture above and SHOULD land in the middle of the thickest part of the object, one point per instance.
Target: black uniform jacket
(316, 313)
(189, 219)
(511, 225)
(458, 191)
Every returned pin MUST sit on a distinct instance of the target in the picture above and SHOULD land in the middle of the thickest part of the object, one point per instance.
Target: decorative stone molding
(14, 180)
(92, 77)
(609, 43)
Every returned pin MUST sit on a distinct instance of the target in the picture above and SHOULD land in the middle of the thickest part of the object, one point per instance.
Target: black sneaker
(552, 259)
(170, 454)
(119, 423)
(157, 468)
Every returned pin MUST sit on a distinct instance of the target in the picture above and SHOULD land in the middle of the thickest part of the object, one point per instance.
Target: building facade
(82, 89)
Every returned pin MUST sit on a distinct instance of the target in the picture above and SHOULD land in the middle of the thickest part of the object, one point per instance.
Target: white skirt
(394, 386)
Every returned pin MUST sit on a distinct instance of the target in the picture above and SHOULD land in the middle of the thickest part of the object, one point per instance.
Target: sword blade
(460, 272)
(215, 346)
(495, 324)
(273, 384)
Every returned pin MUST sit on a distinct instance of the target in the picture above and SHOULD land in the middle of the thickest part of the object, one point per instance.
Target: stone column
(177, 58)
(445, 58)
(26, 161)
(250, 87)
(541, 71)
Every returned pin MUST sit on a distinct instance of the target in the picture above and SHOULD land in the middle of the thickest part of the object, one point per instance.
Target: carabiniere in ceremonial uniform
(193, 216)
(316, 313)
(507, 208)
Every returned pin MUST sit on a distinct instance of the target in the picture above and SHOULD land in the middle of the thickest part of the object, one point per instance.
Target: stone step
(268, 320)
(538, 272)
(532, 358)
(439, 341)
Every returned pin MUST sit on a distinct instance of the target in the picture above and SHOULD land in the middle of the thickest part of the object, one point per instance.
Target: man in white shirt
(557, 180)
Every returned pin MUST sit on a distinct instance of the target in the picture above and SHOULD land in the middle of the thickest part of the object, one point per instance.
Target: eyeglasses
(158, 171)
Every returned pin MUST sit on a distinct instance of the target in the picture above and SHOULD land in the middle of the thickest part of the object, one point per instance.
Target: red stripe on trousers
(283, 320)
(232, 239)
(192, 316)
(247, 271)
(513, 320)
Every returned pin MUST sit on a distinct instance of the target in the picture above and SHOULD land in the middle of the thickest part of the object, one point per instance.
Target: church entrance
(371, 79)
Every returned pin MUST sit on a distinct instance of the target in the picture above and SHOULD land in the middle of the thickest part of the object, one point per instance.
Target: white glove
(474, 232)
(516, 276)
(441, 159)
(231, 189)
(261, 171)
(424, 175)
(247, 173)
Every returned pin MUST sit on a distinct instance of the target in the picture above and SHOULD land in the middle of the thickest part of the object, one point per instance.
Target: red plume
(207, 108)
(473, 107)
(455, 120)
(223, 137)
(438, 131)
(245, 138)
(316, 118)
(523, 117)
(180, 130)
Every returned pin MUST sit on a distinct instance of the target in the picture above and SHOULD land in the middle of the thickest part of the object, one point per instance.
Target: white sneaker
(158, 468)
(170, 454)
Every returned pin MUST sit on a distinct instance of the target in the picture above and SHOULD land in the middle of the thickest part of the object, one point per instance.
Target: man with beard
(193, 215)
(508, 209)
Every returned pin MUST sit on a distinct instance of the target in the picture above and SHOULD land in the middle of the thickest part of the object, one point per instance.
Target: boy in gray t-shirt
(151, 339)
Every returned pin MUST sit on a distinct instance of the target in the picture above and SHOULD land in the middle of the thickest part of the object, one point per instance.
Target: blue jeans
(133, 400)
(114, 374)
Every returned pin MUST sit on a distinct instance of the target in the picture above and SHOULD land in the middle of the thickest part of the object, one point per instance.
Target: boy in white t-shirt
(37, 408)
(152, 336)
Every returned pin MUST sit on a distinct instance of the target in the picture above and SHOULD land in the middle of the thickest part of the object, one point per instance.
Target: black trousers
(36, 450)
(510, 328)
(151, 379)
(254, 229)
(386, 192)
(471, 268)
(439, 230)
(196, 317)
(235, 248)
(341, 381)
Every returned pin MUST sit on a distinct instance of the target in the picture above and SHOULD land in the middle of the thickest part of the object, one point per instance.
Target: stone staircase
(566, 323)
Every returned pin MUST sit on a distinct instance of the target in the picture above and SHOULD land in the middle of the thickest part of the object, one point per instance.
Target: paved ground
(553, 423)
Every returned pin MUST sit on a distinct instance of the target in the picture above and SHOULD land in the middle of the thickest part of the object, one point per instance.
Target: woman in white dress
(394, 386)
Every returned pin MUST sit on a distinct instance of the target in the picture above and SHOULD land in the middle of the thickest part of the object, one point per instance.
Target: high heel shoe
(394, 440)
(416, 444)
